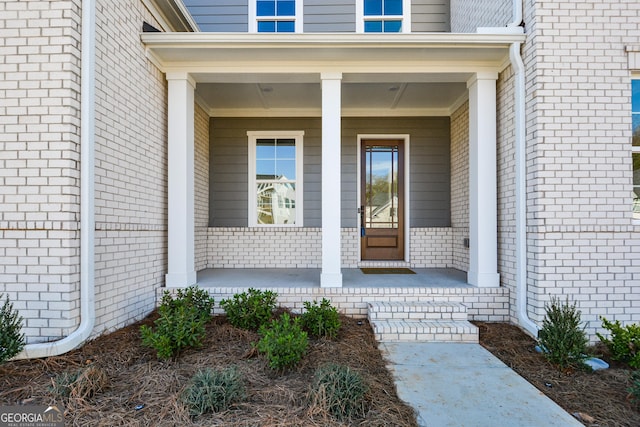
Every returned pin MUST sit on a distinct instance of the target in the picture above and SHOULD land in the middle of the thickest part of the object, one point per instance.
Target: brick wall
(201, 185)
(460, 186)
(583, 242)
(39, 163)
(131, 168)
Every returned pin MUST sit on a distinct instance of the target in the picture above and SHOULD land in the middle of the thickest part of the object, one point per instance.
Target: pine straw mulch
(135, 377)
(600, 398)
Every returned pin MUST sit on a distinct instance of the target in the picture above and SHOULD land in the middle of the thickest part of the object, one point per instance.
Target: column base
(180, 280)
(331, 280)
(483, 280)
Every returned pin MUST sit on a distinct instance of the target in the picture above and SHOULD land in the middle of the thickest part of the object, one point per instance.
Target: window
(635, 145)
(383, 16)
(275, 16)
(275, 178)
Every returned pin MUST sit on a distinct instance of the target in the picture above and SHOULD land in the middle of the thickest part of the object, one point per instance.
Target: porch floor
(310, 278)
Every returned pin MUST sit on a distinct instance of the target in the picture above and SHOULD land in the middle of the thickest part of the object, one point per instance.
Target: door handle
(362, 229)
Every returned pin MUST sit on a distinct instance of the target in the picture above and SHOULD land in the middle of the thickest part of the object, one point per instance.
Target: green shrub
(11, 339)
(338, 390)
(624, 344)
(563, 341)
(283, 342)
(321, 320)
(213, 390)
(181, 322)
(250, 310)
(83, 383)
(634, 390)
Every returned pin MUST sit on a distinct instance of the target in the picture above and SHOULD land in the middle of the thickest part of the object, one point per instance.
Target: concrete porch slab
(310, 278)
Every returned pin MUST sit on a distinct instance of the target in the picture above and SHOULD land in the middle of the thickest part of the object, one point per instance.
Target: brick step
(418, 310)
(425, 331)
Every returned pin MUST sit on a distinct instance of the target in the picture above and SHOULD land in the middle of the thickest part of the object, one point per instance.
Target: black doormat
(387, 271)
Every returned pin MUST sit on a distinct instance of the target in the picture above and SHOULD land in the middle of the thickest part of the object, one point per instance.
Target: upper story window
(275, 178)
(383, 16)
(635, 145)
(275, 16)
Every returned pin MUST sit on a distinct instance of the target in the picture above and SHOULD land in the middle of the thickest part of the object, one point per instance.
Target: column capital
(181, 76)
(484, 75)
(331, 76)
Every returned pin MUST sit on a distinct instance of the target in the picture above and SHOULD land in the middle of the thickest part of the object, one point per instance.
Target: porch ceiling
(279, 75)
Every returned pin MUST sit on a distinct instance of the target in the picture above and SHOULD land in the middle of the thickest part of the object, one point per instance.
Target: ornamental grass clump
(211, 390)
(339, 391)
(11, 338)
(250, 310)
(562, 339)
(181, 323)
(624, 344)
(320, 320)
(283, 342)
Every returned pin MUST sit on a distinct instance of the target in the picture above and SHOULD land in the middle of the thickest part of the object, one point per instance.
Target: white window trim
(253, 136)
(298, 18)
(407, 186)
(406, 17)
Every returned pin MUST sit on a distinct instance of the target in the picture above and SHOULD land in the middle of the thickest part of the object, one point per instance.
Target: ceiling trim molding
(317, 112)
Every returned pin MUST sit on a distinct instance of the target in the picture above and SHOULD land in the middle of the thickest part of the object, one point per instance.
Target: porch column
(483, 222)
(181, 181)
(331, 275)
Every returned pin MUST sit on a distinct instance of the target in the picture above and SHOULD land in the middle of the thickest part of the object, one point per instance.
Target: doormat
(387, 271)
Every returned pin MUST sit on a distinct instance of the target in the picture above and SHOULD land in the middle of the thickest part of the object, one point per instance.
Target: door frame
(407, 184)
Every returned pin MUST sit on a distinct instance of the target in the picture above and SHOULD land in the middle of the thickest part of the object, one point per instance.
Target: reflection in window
(383, 16)
(276, 16)
(635, 145)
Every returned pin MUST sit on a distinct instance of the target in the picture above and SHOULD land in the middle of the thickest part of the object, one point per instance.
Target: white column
(483, 221)
(331, 275)
(181, 181)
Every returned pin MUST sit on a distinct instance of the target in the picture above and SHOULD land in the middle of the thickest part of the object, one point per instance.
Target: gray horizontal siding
(329, 16)
(430, 16)
(220, 15)
(429, 173)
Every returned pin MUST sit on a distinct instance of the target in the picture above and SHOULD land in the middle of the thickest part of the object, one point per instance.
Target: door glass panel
(636, 185)
(381, 187)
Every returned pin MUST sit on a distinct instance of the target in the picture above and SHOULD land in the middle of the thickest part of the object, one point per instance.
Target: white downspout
(521, 177)
(87, 180)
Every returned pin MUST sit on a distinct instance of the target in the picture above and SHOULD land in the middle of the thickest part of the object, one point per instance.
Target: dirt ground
(600, 398)
(139, 390)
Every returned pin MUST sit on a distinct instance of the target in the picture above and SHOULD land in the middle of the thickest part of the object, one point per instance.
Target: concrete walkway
(465, 385)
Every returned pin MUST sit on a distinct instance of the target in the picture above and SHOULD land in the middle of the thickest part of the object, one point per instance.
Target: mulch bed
(135, 378)
(600, 398)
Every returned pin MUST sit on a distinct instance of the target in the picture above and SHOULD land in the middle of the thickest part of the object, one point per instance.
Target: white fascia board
(317, 112)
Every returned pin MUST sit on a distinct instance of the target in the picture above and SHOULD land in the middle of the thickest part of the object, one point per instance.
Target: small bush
(250, 310)
(11, 339)
(181, 322)
(634, 390)
(338, 390)
(624, 344)
(81, 384)
(321, 320)
(563, 340)
(283, 342)
(213, 391)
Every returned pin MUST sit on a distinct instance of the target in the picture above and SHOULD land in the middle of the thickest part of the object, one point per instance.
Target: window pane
(373, 7)
(286, 27)
(393, 7)
(286, 8)
(373, 26)
(266, 26)
(636, 130)
(266, 169)
(636, 185)
(392, 26)
(276, 203)
(286, 169)
(286, 149)
(635, 96)
(266, 149)
(266, 8)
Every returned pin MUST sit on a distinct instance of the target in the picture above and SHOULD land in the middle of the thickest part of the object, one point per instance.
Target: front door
(382, 199)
